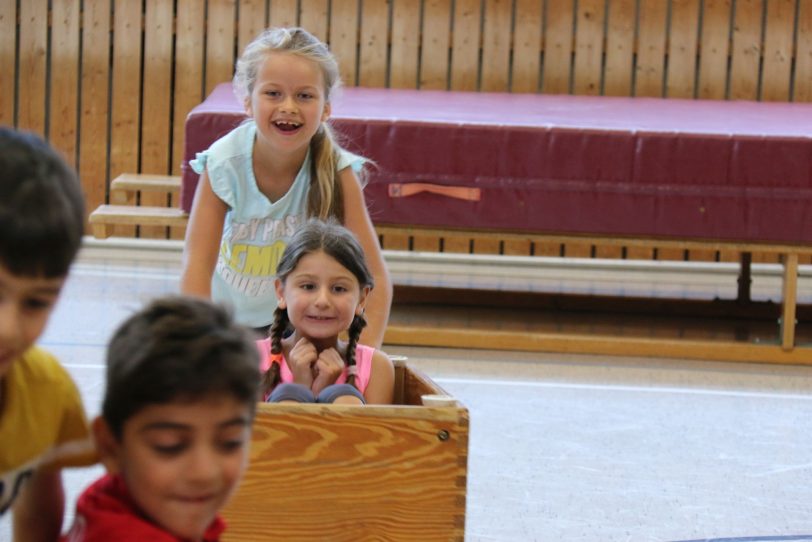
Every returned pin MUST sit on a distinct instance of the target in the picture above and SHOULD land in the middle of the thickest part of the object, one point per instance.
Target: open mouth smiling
(287, 126)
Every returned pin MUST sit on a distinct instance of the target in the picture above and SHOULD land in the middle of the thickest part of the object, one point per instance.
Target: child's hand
(302, 362)
(329, 366)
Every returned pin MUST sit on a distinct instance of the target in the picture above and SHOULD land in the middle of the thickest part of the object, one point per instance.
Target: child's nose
(203, 464)
(289, 105)
(323, 297)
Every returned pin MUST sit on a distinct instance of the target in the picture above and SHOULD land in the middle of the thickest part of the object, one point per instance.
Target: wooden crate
(331, 472)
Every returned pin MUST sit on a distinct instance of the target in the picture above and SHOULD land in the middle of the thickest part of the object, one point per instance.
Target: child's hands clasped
(313, 369)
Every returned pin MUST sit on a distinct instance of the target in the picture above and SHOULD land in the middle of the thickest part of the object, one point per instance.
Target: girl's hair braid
(271, 377)
(357, 325)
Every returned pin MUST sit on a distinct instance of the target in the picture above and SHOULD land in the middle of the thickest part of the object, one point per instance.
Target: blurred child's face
(321, 297)
(181, 461)
(25, 305)
(288, 101)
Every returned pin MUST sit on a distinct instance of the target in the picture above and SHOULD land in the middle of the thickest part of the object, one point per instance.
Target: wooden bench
(356, 473)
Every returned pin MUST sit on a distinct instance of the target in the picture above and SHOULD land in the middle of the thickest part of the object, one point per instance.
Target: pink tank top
(363, 363)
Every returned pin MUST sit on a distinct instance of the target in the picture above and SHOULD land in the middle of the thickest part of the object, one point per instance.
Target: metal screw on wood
(443, 435)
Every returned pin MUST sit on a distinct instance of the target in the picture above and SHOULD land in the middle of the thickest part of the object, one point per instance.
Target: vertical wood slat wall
(109, 82)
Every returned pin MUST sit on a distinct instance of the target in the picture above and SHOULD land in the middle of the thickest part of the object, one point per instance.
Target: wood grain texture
(589, 47)
(373, 63)
(284, 13)
(344, 39)
(682, 48)
(778, 45)
(313, 16)
(405, 44)
(651, 37)
(466, 36)
(558, 43)
(527, 39)
(496, 45)
(33, 52)
(435, 43)
(63, 118)
(717, 20)
(746, 50)
(8, 53)
(252, 20)
(802, 86)
(357, 473)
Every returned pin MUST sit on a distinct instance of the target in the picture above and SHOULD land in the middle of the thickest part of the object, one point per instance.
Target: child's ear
(248, 109)
(107, 445)
(362, 302)
(326, 113)
(280, 294)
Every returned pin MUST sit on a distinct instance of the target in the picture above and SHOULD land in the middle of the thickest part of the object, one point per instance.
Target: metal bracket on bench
(401, 190)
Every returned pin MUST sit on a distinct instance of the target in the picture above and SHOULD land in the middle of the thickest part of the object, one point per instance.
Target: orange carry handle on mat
(402, 190)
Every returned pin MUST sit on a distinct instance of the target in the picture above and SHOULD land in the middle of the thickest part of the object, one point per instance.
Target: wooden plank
(147, 182)
(314, 16)
(95, 70)
(496, 38)
(527, 39)
(639, 253)
(426, 243)
(32, 68)
(650, 68)
(715, 47)
(373, 62)
(63, 119)
(802, 87)
(682, 49)
(220, 43)
(126, 99)
(421, 452)
(344, 39)
(618, 73)
(670, 253)
(485, 245)
(778, 43)
(594, 344)
(577, 250)
(517, 247)
(457, 244)
(157, 100)
(465, 45)
(8, 72)
(392, 240)
(746, 50)
(405, 42)
(284, 13)
(612, 253)
(252, 20)
(589, 47)
(789, 300)
(435, 45)
(699, 255)
(558, 37)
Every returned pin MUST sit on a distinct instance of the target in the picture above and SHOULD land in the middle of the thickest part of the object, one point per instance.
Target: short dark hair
(178, 349)
(42, 209)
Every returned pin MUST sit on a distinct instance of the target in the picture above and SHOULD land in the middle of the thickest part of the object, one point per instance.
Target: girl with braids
(262, 180)
(322, 287)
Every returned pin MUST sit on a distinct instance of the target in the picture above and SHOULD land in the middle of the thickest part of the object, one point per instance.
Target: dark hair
(42, 210)
(175, 349)
(339, 243)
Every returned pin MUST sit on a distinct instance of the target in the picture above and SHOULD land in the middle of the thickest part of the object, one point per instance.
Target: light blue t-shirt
(256, 230)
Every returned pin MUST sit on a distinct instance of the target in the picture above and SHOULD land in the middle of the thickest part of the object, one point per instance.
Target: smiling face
(321, 297)
(288, 102)
(181, 461)
(25, 305)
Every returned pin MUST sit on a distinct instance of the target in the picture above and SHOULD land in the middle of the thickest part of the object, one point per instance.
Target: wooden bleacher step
(124, 187)
(105, 217)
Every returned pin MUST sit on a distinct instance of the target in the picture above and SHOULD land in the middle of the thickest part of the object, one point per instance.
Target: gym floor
(562, 447)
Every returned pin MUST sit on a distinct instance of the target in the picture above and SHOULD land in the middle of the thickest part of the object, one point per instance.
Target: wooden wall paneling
(778, 46)
(8, 54)
(435, 44)
(63, 121)
(425, 242)
(157, 99)
(682, 48)
(639, 253)
(465, 44)
(611, 252)
(496, 45)
(714, 49)
(284, 13)
(125, 101)
(344, 39)
(373, 62)
(457, 244)
(517, 247)
(314, 16)
(251, 20)
(558, 40)
(220, 43)
(405, 44)
(32, 72)
(621, 24)
(578, 250)
(190, 25)
(746, 50)
(651, 38)
(95, 70)
(589, 41)
(527, 39)
(802, 86)
(486, 245)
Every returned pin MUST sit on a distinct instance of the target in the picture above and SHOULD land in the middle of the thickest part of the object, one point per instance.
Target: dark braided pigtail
(272, 376)
(357, 325)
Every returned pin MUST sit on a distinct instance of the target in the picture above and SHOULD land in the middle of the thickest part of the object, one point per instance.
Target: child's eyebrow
(176, 426)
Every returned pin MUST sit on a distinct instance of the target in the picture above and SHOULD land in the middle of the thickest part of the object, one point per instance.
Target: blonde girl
(262, 180)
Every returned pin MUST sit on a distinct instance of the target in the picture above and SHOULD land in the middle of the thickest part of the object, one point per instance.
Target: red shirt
(106, 513)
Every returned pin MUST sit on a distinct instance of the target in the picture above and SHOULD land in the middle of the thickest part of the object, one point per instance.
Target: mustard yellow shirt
(42, 422)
